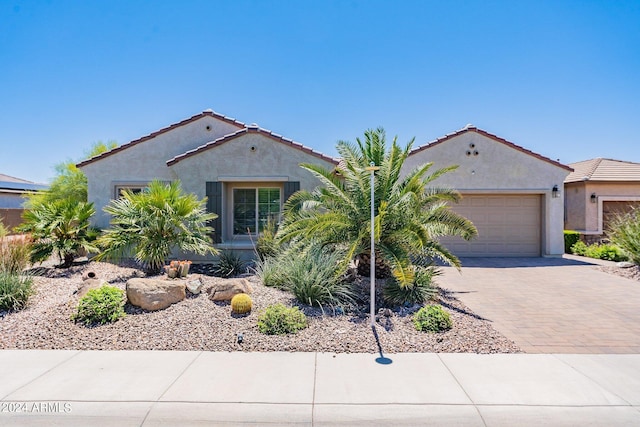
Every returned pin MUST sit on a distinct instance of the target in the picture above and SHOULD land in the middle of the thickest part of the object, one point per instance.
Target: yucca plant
(60, 227)
(410, 215)
(152, 223)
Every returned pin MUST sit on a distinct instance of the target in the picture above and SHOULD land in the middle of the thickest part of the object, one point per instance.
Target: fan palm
(60, 227)
(409, 214)
(154, 222)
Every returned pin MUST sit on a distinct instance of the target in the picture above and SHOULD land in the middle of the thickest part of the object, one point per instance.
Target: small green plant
(579, 248)
(14, 253)
(267, 245)
(420, 292)
(570, 238)
(230, 264)
(241, 303)
(15, 290)
(432, 318)
(100, 306)
(625, 233)
(278, 319)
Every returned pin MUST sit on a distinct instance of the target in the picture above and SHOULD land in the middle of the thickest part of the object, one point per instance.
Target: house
(598, 190)
(512, 195)
(246, 172)
(12, 192)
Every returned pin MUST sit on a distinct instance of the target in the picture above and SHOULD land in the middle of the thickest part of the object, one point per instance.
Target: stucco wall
(583, 215)
(498, 168)
(270, 161)
(146, 161)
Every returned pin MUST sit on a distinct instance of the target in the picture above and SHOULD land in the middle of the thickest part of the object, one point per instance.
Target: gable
(487, 162)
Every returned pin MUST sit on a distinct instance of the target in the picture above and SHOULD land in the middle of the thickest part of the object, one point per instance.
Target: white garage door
(508, 225)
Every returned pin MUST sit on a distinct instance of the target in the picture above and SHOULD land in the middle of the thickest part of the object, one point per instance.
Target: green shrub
(278, 319)
(604, 251)
(100, 306)
(14, 253)
(625, 233)
(15, 290)
(570, 238)
(267, 245)
(432, 318)
(315, 276)
(230, 264)
(579, 248)
(420, 292)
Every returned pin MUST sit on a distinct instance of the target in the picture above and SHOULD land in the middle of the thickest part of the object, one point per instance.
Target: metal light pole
(372, 259)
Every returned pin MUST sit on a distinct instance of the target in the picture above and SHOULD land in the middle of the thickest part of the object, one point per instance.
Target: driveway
(551, 305)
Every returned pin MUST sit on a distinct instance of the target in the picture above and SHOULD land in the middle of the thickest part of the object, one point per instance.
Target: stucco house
(596, 191)
(512, 195)
(246, 172)
(12, 192)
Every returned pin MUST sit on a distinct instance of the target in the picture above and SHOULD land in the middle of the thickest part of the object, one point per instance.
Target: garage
(508, 225)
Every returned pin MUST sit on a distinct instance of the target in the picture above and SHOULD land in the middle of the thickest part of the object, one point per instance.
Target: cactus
(241, 303)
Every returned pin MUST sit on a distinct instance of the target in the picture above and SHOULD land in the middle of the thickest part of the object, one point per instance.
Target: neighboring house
(512, 195)
(598, 190)
(246, 172)
(12, 191)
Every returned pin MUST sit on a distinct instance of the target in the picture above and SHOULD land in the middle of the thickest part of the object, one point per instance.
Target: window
(253, 208)
(131, 188)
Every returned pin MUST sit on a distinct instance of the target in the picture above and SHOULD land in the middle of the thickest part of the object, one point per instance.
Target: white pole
(372, 259)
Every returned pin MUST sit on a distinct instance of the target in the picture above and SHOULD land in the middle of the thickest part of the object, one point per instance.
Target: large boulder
(226, 289)
(154, 294)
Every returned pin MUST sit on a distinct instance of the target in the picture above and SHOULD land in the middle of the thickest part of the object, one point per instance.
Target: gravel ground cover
(197, 323)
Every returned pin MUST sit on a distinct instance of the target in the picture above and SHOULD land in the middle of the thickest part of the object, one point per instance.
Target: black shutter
(214, 204)
(290, 187)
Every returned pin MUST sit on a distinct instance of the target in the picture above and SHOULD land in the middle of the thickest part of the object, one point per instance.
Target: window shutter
(290, 187)
(214, 204)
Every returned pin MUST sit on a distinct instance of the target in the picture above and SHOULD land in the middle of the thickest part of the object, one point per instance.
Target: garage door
(612, 209)
(508, 226)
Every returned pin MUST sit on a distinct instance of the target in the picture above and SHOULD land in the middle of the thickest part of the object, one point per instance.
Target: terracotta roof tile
(209, 113)
(601, 169)
(247, 130)
(471, 128)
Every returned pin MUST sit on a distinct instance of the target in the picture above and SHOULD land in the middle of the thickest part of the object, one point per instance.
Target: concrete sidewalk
(149, 388)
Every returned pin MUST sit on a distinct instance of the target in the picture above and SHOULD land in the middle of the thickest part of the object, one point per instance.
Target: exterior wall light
(555, 193)
(594, 198)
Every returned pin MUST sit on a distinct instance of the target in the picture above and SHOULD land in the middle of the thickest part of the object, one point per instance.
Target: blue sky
(561, 78)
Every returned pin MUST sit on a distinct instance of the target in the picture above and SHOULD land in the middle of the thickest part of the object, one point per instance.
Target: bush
(420, 292)
(432, 318)
(100, 306)
(579, 248)
(570, 238)
(15, 290)
(280, 320)
(266, 245)
(14, 253)
(314, 276)
(229, 264)
(625, 233)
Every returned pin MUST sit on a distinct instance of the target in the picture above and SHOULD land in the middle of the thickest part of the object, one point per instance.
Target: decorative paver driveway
(551, 305)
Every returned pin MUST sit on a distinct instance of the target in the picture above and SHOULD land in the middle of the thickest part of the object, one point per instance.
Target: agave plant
(154, 222)
(410, 215)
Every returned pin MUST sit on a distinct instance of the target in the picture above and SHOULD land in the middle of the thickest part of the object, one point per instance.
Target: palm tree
(154, 222)
(60, 227)
(410, 215)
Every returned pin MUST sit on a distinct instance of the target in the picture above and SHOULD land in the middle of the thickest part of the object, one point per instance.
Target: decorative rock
(89, 284)
(225, 290)
(195, 285)
(625, 264)
(155, 294)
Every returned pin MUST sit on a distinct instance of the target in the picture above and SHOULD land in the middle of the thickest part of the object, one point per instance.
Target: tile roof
(210, 113)
(13, 184)
(471, 128)
(247, 130)
(7, 178)
(600, 169)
